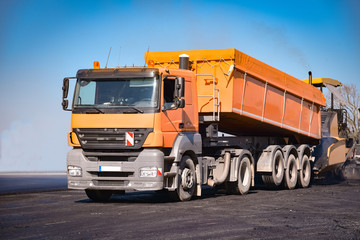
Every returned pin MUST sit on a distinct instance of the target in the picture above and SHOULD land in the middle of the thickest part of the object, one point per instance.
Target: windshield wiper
(92, 112)
(134, 108)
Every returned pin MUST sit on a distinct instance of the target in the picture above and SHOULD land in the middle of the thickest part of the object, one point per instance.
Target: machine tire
(304, 173)
(98, 195)
(244, 176)
(291, 173)
(186, 179)
(277, 174)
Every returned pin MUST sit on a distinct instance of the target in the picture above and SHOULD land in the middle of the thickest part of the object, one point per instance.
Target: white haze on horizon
(36, 145)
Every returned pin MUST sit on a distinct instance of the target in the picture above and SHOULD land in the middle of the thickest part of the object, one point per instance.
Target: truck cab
(125, 125)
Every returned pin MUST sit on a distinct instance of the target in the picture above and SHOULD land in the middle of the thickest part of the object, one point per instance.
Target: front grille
(111, 138)
(111, 159)
(113, 174)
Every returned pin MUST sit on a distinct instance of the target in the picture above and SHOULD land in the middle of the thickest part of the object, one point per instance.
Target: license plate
(109, 168)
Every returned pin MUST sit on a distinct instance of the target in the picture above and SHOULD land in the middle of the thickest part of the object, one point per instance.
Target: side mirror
(65, 104)
(65, 87)
(65, 91)
(180, 87)
(180, 103)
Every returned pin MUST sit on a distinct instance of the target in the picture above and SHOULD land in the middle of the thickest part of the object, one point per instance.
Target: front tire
(186, 179)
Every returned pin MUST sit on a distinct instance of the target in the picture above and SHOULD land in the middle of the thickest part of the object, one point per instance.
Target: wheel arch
(265, 161)
(186, 142)
(302, 150)
(192, 155)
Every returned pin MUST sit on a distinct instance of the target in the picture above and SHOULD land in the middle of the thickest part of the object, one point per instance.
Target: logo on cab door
(129, 139)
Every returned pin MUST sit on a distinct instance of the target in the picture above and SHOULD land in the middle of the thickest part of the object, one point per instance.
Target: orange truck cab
(123, 120)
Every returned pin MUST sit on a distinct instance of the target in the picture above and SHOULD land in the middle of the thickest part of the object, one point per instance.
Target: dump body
(248, 97)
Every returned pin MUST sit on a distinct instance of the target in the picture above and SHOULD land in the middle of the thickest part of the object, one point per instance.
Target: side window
(87, 93)
(169, 92)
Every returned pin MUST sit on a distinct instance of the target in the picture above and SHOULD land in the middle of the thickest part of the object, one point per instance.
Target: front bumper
(116, 174)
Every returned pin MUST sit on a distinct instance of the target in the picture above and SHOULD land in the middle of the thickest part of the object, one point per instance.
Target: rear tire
(304, 173)
(244, 176)
(99, 195)
(291, 173)
(277, 174)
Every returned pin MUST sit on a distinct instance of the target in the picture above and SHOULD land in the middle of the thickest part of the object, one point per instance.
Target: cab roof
(122, 72)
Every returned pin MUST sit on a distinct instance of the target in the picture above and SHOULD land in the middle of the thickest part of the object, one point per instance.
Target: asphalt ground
(326, 210)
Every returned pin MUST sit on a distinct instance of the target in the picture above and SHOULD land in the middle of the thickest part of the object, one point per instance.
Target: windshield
(132, 93)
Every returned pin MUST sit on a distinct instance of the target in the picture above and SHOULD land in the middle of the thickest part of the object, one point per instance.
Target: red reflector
(129, 139)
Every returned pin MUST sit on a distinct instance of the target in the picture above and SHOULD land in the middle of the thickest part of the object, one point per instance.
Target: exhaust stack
(184, 61)
(310, 77)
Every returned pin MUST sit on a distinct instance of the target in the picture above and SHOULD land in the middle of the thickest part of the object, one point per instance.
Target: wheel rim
(291, 173)
(187, 179)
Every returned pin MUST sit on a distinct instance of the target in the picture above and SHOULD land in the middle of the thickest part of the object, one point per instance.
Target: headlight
(74, 171)
(148, 172)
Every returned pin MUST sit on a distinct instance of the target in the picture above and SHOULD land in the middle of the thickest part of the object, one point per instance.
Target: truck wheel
(186, 179)
(277, 174)
(98, 195)
(304, 173)
(291, 173)
(244, 177)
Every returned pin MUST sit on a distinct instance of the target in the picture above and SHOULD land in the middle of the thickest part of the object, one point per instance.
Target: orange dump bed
(249, 97)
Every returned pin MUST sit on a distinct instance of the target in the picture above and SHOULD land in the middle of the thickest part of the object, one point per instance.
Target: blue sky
(41, 42)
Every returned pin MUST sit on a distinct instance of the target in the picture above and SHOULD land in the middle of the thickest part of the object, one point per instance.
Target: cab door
(171, 116)
(179, 107)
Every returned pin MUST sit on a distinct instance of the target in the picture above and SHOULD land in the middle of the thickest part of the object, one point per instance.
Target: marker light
(96, 65)
(151, 63)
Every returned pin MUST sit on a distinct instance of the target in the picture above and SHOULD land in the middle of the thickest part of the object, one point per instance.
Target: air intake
(184, 61)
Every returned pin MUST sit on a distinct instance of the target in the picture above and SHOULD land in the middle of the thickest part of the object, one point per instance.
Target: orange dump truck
(188, 119)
